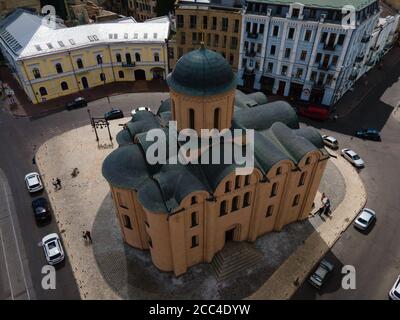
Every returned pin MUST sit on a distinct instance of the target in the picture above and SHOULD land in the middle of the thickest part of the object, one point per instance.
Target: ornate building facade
(185, 214)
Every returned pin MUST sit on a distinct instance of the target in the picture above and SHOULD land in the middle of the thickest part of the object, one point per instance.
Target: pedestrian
(58, 182)
(84, 235)
(88, 235)
(323, 196)
(54, 184)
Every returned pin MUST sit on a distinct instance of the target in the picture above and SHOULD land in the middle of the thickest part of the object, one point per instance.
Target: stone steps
(235, 259)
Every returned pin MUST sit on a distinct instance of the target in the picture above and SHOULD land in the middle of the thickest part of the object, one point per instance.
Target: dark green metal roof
(202, 72)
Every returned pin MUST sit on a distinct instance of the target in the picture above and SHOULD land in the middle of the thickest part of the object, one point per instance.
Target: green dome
(202, 72)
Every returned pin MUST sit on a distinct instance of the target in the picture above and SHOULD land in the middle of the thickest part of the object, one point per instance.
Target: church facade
(185, 214)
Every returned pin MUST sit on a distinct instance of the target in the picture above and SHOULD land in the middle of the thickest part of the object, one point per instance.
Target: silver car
(33, 182)
(53, 249)
(394, 293)
(353, 158)
(330, 142)
(365, 219)
(320, 275)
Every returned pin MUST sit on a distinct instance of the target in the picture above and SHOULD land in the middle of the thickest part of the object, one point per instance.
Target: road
(21, 256)
(375, 255)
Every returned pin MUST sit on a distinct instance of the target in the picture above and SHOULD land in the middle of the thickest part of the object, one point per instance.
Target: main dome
(202, 72)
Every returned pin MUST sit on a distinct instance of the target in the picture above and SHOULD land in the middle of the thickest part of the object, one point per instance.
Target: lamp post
(103, 75)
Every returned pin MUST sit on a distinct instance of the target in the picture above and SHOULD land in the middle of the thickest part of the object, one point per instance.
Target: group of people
(56, 183)
(325, 207)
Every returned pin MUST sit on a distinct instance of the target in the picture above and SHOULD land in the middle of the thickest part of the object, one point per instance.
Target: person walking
(54, 184)
(89, 236)
(58, 182)
(84, 235)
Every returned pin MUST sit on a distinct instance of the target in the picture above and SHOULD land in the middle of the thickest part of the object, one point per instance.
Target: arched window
(191, 118)
(237, 182)
(102, 77)
(278, 171)
(36, 73)
(121, 74)
(195, 241)
(64, 85)
(194, 219)
(156, 56)
(137, 57)
(43, 91)
(128, 58)
(246, 200)
(247, 180)
(118, 57)
(99, 59)
(274, 190)
(270, 211)
(127, 222)
(222, 208)
(216, 118)
(193, 200)
(296, 200)
(308, 160)
(235, 203)
(302, 179)
(79, 63)
(59, 68)
(227, 186)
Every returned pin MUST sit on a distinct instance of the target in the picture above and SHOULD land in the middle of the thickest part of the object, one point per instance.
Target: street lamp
(103, 76)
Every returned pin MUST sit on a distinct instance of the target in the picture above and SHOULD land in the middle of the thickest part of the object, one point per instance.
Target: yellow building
(52, 62)
(217, 24)
(186, 214)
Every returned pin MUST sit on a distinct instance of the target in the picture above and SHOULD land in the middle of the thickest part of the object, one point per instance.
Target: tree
(163, 7)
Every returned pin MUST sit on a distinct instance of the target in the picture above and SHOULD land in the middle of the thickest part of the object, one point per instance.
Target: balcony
(329, 47)
(251, 35)
(251, 53)
(365, 38)
(129, 65)
(360, 58)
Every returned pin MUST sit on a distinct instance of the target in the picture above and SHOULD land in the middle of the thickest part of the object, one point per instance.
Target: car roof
(39, 201)
(50, 237)
(351, 152)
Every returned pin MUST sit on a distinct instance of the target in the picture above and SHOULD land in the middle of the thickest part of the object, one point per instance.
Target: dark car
(77, 103)
(370, 134)
(114, 114)
(41, 210)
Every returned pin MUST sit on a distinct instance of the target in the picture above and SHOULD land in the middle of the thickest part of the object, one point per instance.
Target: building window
(191, 118)
(180, 21)
(121, 74)
(99, 59)
(275, 31)
(246, 200)
(307, 36)
(118, 57)
(341, 39)
(270, 211)
(236, 28)
(183, 38)
(216, 118)
(214, 23)
(284, 70)
(234, 43)
(150, 243)
(64, 86)
(274, 190)
(137, 57)
(36, 73)
(313, 76)
(299, 73)
(193, 22)
(235, 203)
(261, 31)
(273, 50)
(302, 179)
(247, 180)
(334, 60)
(278, 171)
(296, 200)
(224, 26)
(222, 208)
(102, 77)
(318, 58)
(127, 222)
(324, 36)
(156, 57)
(195, 241)
(270, 67)
(194, 221)
(291, 33)
(59, 68)
(79, 63)
(287, 53)
(237, 182)
(308, 160)
(227, 186)
(193, 200)
(303, 55)
(205, 22)
(43, 91)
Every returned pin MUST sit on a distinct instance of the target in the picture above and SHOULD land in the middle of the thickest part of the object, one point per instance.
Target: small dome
(202, 72)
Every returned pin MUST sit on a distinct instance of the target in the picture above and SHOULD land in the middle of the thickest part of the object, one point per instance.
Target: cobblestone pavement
(109, 269)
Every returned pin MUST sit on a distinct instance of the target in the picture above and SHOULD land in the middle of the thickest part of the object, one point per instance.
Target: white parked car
(353, 158)
(394, 293)
(330, 142)
(365, 218)
(53, 249)
(33, 182)
(134, 111)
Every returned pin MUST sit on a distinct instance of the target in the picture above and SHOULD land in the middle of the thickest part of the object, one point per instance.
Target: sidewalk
(25, 108)
(292, 273)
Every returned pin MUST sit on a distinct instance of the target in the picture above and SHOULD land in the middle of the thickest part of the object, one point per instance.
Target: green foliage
(163, 7)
